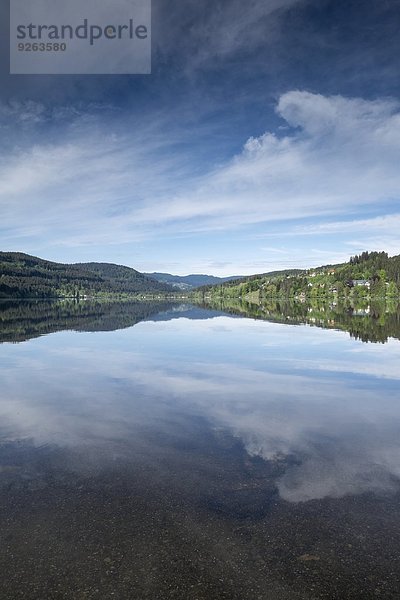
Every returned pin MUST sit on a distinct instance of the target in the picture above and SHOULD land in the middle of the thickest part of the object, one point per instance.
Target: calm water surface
(177, 452)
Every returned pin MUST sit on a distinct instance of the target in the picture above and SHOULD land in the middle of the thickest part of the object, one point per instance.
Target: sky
(267, 136)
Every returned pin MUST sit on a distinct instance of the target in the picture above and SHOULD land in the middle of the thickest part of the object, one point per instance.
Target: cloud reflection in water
(329, 402)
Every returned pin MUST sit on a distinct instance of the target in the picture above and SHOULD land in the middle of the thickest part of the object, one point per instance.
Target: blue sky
(266, 137)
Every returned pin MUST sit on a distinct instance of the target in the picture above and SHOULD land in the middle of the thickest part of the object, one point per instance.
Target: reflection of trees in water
(370, 323)
(20, 321)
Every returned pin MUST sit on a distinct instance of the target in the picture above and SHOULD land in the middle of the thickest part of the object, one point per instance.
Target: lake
(163, 450)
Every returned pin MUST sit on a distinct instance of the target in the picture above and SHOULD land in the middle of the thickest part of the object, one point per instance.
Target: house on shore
(360, 283)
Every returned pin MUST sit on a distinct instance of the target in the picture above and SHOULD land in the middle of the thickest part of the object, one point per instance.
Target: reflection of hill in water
(20, 321)
(375, 323)
(188, 311)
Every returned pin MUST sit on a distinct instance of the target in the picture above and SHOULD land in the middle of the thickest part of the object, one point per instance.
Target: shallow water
(165, 451)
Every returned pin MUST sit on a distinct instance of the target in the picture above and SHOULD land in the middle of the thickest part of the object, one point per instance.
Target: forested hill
(25, 276)
(370, 274)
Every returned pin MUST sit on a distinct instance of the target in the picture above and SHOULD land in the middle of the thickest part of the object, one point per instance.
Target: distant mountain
(188, 282)
(25, 276)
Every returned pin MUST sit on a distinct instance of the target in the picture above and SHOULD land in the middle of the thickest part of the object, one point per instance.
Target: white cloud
(384, 223)
(343, 155)
(94, 186)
